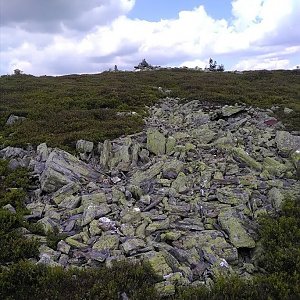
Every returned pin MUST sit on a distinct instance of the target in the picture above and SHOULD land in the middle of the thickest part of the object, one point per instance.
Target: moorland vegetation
(61, 110)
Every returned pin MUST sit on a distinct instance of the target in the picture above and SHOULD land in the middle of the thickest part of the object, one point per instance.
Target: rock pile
(184, 194)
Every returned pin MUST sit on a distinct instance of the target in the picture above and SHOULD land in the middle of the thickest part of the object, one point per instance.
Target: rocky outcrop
(62, 168)
(184, 194)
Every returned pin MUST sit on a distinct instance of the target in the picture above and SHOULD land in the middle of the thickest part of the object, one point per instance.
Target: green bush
(27, 281)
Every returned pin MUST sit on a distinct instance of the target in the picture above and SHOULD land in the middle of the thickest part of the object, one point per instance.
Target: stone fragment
(63, 168)
(93, 199)
(158, 263)
(158, 225)
(274, 167)
(170, 144)
(42, 152)
(156, 142)
(238, 235)
(105, 154)
(275, 197)
(165, 288)
(131, 215)
(83, 146)
(232, 196)
(94, 228)
(286, 142)
(107, 242)
(65, 193)
(153, 171)
(228, 110)
(203, 134)
(132, 244)
(242, 155)
(63, 247)
(94, 211)
(74, 243)
(47, 224)
(13, 119)
(180, 183)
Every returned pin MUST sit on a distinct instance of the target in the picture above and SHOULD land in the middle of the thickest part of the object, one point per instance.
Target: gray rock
(238, 235)
(94, 211)
(286, 142)
(107, 242)
(228, 110)
(42, 152)
(105, 154)
(63, 168)
(63, 247)
(156, 142)
(83, 146)
(13, 119)
(132, 244)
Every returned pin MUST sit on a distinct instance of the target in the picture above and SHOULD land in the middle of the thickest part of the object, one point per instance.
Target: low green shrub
(25, 280)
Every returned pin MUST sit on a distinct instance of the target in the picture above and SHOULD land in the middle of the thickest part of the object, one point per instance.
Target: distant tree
(116, 68)
(220, 68)
(214, 67)
(17, 72)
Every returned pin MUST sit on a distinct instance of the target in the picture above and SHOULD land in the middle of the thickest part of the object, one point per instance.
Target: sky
(56, 37)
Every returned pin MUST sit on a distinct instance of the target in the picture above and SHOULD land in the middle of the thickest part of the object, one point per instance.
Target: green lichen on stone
(107, 242)
(156, 142)
(246, 158)
(238, 235)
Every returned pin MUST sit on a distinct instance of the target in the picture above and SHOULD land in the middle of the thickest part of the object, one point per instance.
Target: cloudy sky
(54, 37)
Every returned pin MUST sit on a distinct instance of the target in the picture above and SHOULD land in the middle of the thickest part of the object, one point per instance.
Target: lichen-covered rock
(228, 110)
(156, 142)
(165, 288)
(295, 157)
(105, 150)
(286, 142)
(274, 167)
(94, 211)
(13, 119)
(132, 244)
(204, 134)
(47, 224)
(158, 225)
(107, 242)
(246, 158)
(153, 171)
(84, 146)
(42, 152)
(171, 169)
(180, 183)
(66, 192)
(275, 197)
(232, 196)
(63, 168)
(93, 199)
(170, 144)
(63, 247)
(159, 264)
(238, 235)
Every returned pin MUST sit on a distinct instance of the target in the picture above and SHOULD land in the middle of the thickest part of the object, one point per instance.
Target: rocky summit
(185, 194)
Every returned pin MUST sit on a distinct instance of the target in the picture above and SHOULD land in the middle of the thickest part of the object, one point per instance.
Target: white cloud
(95, 36)
(263, 64)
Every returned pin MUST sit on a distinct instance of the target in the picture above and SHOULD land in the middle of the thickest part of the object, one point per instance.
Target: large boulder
(238, 235)
(286, 142)
(156, 142)
(62, 168)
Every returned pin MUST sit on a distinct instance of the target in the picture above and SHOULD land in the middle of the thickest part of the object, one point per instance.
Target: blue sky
(62, 37)
(155, 10)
